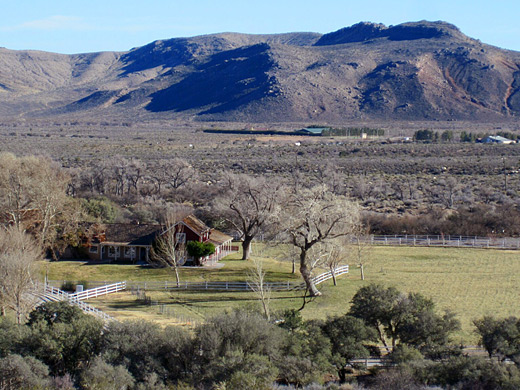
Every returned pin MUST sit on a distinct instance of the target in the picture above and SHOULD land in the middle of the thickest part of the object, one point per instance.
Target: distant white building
(496, 139)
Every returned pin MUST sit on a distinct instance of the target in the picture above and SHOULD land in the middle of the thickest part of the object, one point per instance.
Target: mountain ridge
(412, 71)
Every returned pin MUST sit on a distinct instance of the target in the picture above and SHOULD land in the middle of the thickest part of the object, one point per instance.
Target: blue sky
(77, 26)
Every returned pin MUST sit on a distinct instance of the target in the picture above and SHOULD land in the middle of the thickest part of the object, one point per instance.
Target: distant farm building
(496, 139)
(317, 131)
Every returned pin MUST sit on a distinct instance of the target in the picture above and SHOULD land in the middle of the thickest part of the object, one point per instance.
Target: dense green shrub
(426, 135)
(101, 208)
(103, 376)
(405, 319)
(17, 372)
(144, 348)
(62, 336)
(197, 249)
(61, 347)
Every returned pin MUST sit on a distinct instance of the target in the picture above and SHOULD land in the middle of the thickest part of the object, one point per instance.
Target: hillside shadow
(229, 80)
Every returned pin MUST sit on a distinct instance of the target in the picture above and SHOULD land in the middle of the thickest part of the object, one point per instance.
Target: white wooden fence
(444, 241)
(47, 293)
(214, 258)
(212, 286)
(98, 291)
(328, 275)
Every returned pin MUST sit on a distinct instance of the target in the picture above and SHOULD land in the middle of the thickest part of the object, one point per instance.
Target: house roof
(497, 138)
(131, 234)
(313, 130)
(195, 224)
(218, 238)
(144, 234)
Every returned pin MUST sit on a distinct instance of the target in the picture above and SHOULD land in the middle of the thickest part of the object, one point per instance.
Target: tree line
(428, 135)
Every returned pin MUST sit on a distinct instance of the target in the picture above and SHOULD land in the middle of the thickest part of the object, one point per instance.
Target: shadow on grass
(126, 305)
(106, 262)
(196, 299)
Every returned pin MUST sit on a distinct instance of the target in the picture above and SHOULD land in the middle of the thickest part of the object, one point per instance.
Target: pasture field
(469, 282)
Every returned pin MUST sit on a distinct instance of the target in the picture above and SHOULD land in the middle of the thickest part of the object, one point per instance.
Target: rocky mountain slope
(413, 71)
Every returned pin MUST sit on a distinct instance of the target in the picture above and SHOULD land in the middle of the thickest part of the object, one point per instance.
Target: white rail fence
(443, 241)
(48, 293)
(99, 291)
(214, 258)
(217, 285)
(328, 275)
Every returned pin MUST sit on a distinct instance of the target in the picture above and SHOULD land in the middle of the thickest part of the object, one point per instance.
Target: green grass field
(470, 282)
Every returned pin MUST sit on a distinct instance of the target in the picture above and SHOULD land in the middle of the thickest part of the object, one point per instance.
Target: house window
(113, 251)
(93, 249)
(130, 252)
(180, 238)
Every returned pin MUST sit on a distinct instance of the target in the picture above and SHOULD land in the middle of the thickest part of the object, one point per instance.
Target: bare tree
(134, 175)
(50, 197)
(252, 205)
(450, 191)
(74, 182)
(15, 195)
(362, 188)
(399, 189)
(33, 194)
(158, 175)
(260, 287)
(317, 216)
(169, 248)
(179, 173)
(328, 174)
(360, 248)
(19, 253)
(294, 256)
(336, 254)
(119, 172)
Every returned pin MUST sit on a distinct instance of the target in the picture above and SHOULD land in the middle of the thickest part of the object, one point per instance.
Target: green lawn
(234, 270)
(470, 282)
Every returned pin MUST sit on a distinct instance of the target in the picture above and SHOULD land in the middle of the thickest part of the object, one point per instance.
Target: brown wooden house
(124, 242)
(131, 242)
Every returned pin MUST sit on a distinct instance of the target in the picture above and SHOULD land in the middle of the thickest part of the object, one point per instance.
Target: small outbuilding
(316, 131)
(496, 139)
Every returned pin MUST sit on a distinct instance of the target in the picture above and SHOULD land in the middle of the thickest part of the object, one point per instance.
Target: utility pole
(505, 174)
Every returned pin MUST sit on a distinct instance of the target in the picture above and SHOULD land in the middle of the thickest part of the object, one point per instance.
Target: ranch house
(132, 242)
